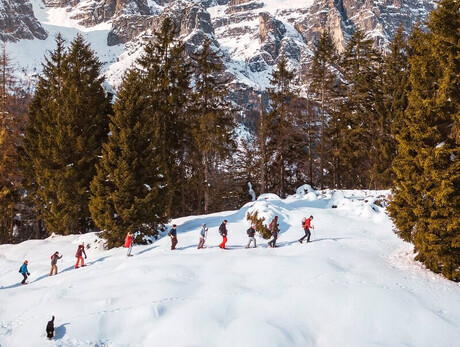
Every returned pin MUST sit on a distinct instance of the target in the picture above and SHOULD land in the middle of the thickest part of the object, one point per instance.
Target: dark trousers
(272, 242)
(307, 235)
(173, 242)
(25, 279)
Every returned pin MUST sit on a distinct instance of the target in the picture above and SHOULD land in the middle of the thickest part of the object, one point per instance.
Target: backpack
(270, 226)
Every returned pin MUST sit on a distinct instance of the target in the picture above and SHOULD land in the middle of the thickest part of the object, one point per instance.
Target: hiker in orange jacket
(306, 225)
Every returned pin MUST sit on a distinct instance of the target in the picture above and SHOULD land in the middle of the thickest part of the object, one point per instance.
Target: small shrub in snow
(261, 227)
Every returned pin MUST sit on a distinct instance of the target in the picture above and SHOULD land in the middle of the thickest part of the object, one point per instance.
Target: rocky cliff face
(18, 22)
(251, 34)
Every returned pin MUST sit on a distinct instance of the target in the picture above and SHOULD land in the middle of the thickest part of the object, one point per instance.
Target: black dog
(50, 329)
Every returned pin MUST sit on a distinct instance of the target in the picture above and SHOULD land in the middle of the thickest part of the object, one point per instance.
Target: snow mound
(268, 196)
(305, 189)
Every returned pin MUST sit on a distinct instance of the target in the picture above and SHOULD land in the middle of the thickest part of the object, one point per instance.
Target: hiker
(274, 228)
(306, 225)
(50, 328)
(223, 233)
(24, 271)
(54, 259)
(79, 255)
(173, 234)
(251, 233)
(129, 243)
(203, 233)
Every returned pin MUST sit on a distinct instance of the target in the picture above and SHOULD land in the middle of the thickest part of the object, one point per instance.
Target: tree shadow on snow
(60, 331)
(145, 250)
(100, 260)
(330, 238)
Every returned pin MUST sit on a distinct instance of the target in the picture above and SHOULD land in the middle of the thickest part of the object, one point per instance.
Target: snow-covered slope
(356, 284)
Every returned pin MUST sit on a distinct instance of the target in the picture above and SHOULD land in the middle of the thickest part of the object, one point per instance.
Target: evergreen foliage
(426, 206)
(166, 74)
(128, 191)
(356, 122)
(261, 227)
(284, 130)
(323, 80)
(67, 125)
(213, 125)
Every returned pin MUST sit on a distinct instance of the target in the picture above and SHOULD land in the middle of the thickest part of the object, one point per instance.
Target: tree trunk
(206, 183)
(322, 139)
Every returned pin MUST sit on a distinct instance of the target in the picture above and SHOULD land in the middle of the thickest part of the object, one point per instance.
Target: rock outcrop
(18, 22)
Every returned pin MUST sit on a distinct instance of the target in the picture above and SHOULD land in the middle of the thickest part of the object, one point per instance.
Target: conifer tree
(128, 190)
(359, 112)
(10, 139)
(166, 73)
(394, 88)
(322, 84)
(213, 122)
(67, 125)
(285, 133)
(426, 204)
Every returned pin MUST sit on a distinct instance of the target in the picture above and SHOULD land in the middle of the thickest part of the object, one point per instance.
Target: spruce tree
(359, 112)
(10, 139)
(395, 84)
(285, 131)
(128, 190)
(166, 73)
(427, 193)
(322, 79)
(68, 121)
(213, 122)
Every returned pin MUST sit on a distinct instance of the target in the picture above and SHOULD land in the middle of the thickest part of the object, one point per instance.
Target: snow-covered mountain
(252, 34)
(356, 284)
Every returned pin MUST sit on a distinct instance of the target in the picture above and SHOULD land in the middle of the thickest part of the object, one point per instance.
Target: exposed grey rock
(379, 19)
(126, 28)
(271, 32)
(98, 11)
(18, 22)
(236, 6)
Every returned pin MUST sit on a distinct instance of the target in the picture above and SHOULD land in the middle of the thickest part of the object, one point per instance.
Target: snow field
(355, 285)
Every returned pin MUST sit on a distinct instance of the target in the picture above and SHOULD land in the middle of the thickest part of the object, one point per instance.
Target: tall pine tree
(166, 73)
(68, 121)
(213, 122)
(128, 191)
(322, 79)
(426, 206)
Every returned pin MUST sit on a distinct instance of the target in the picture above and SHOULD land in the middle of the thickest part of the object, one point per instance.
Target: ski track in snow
(356, 284)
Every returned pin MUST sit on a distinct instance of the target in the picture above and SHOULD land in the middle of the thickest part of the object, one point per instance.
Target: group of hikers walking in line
(251, 232)
(273, 227)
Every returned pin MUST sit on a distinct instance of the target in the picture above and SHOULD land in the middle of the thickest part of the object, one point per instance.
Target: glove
(28, 274)
(86, 257)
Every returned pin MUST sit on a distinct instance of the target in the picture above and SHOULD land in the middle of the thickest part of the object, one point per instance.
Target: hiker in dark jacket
(79, 255)
(223, 233)
(251, 233)
(173, 234)
(274, 228)
(24, 271)
(50, 328)
(54, 259)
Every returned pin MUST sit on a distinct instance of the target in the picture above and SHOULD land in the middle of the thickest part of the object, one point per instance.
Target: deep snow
(356, 284)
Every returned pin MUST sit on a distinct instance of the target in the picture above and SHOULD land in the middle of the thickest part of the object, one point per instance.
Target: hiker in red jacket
(79, 255)
(129, 243)
(306, 225)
